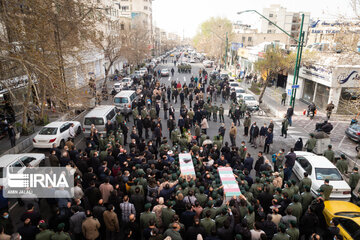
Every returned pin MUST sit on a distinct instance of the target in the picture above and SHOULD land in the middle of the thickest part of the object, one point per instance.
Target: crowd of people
(128, 183)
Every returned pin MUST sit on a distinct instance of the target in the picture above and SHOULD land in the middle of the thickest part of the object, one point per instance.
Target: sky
(184, 16)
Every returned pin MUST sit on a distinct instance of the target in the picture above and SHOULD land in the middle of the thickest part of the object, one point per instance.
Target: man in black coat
(194, 230)
(254, 133)
(258, 163)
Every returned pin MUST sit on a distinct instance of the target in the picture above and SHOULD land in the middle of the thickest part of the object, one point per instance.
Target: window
(145, 7)
(327, 173)
(27, 160)
(271, 15)
(111, 115)
(124, 8)
(122, 26)
(95, 121)
(121, 100)
(268, 31)
(48, 131)
(249, 39)
(304, 163)
(350, 226)
(270, 23)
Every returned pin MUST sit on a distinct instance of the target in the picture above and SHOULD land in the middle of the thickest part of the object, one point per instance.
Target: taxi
(348, 215)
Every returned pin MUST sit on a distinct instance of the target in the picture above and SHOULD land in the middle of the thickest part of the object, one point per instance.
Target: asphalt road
(279, 142)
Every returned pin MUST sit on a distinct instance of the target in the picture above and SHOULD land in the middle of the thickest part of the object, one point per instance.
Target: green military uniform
(212, 210)
(102, 144)
(281, 236)
(306, 199)
(242, 152)
(306, 181)
(120, 137)
(191, 115)
(293, 233)
(243, 107)
(284, 126)
(144, 113)
(326, 191)
(250, 218)
(145, 218)
(329, 154)
(288, 191)
(61, 236)
(218, 141)
(175, 136)
(103, 155)
(202, 198)
(249, 196)
(294, 189)
(310, 144)
(342, 165)
(44, 235)
(135, 113)
(215, 110)
(219, 220)
(354, 180)
(255, 189)
(174, 235)
(167, 215)
(195, 149)
(208, 224)
(202, 138)
(197, 131)
(221, 113)
(247, 122)
(153, 113)
(119, 118)
(243, 211)
(296, 210)
(277, 197)
(183, 142)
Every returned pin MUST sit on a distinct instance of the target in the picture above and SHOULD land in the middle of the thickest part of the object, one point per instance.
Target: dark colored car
(353, 132)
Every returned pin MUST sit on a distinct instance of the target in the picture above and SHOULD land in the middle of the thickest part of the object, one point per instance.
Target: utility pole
(226, 49)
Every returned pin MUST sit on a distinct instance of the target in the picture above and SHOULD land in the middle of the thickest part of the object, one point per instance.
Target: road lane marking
(169, 79)
(341, 142)
(308, 124)
(335, 127)
(185, 79)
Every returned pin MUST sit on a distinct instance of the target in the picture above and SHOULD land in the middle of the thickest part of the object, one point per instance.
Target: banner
(231, 187)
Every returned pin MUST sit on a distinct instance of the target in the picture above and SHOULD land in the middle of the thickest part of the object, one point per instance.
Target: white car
(117, 87)
(320, 168)
(10, 161)
(126, 82)
(192, 60)
(238, 91)
(164, 72)
(249, 100)
(234, 84)
(144, 70)
(55, 132)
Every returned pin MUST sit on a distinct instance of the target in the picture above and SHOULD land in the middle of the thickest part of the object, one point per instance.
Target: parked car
(224, 76)
(249, 100)
(348, 216)
(320, 168)
(353, 132)
(164, 72)
(208, 64)
(55, 132)
(238, 91)
(126, 82)
(19, 161)
(117, 87)
(234, 85)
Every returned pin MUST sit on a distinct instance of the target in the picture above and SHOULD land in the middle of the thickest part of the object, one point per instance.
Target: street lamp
(226, 44)
(300, 43)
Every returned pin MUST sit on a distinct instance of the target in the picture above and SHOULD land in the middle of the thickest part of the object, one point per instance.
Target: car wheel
(62, 144)
(78, 131)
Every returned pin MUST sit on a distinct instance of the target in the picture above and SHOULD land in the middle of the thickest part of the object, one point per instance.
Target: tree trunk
(107, 70)
(26, 102)
(264, 87)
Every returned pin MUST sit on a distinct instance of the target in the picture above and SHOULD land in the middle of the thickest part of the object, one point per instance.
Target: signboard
(231, 187)
(235, 46)
(186, 164)
(295, 86)
(289, 92)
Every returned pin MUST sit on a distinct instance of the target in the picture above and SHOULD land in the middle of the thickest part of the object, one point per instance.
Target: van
(124, 101)
(99, 117)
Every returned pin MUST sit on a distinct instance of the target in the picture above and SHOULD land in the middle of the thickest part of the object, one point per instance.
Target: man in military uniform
(146, 217)
(296, 207)
(153, 113)
(353, 181)
(218, 141)
(167, 214)
(221, 113)
(329, 154)
(326, 189)
(220, 219)
(243, 108)
(120, 137)
(211, 209)
(175, 136)
(306, 198)
(201, 196)
(183, 142)
(242, 151)
(281, 235)
(342, 164)
(215, 110)
(306, 181)
(135, 114)
(144, 113)
(208, 223)
(119, 118)
(310, 143)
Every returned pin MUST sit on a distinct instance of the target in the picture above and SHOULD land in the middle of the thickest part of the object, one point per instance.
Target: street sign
(295, 86)
(289, 92)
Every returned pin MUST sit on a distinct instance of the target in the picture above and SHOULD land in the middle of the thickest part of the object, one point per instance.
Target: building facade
(289, 21)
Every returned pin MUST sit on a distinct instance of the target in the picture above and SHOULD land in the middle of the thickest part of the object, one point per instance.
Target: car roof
(125, 93)
(127, 78)
(164, 69)
(99, 111)
(342, 206)
(7, 159)
(247, 95)
(117, 84)
(55, 124)
(315, 160)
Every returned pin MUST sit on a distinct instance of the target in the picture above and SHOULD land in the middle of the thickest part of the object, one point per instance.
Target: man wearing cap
(329, 154)
(211, 209)
(146, 216)
(306, 198)
(326, 189)
(306, 181)
(354, 180)
(201, 196)
(44, 234)
(342, 164)
(296, 207)
(60, 234)
(208, 223)
(281, 235)
(167, 214)
(310, 143)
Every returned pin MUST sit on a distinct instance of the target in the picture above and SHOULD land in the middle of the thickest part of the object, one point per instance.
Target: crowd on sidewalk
(135, 190)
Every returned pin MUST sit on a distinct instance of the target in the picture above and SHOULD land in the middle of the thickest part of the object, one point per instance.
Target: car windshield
(356, 127)
(234, 84)
(94, 120)
(125, 80)
(239, 91)
(328, 173)
(26, 160)
(348, 214)
(48, 131)
(249, 98)
(121, 100)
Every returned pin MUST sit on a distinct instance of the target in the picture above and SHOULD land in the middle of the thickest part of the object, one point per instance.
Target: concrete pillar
(315, 90)
(334, 96)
